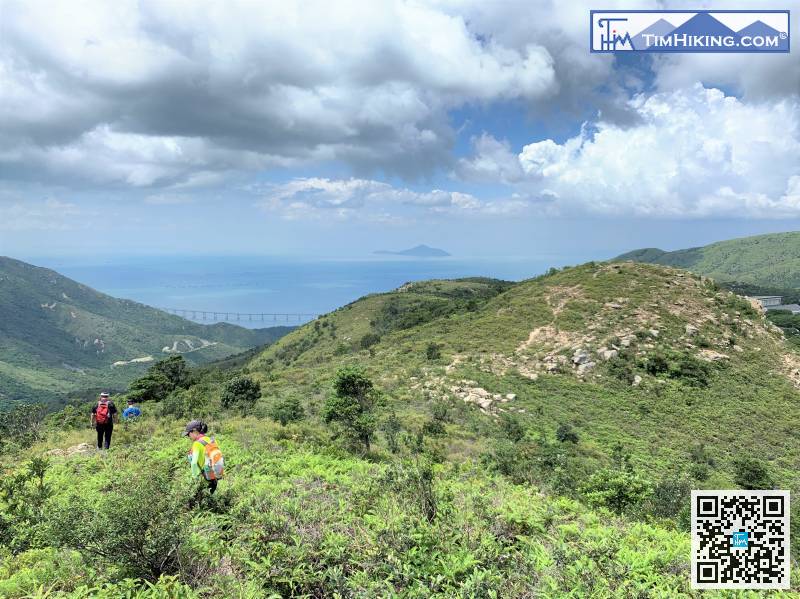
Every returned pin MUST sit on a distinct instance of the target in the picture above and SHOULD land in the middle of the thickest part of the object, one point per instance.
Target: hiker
(103, 416)
(205, 457)
(132, 412)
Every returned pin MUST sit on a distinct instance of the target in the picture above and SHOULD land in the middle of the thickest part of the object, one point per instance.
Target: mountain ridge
(58, 336)
(769, 260)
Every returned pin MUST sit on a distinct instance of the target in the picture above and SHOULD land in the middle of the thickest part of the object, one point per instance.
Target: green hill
(58, 336)
(537, 439)
(569, 347)
(771, 260)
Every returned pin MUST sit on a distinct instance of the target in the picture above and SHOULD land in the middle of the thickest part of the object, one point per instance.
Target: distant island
(420, 251)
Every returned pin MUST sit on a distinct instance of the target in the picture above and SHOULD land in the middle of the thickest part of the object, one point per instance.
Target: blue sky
(306, 129)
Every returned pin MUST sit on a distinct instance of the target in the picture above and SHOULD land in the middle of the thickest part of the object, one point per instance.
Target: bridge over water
(277, 318)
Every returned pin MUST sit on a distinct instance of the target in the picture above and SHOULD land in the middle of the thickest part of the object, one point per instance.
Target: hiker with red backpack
(103, 416)
(205, 457)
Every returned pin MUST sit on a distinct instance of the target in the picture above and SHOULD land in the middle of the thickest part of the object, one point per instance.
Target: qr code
(740, 539)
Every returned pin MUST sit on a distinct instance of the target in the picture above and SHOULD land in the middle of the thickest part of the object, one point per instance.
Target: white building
(775, 302)
(769, 301)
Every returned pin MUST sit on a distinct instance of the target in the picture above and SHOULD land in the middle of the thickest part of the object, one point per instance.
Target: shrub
(342, 349)
(135, 523)
(187, 403)
(22, 497)
(391, 428)
(433, 351)
(433, 427)
(678, 365)
(175, 370)
(241, 391)
(21, 425)
(670, 497)
(415, 479)
(440, 411)
(369, 340)
(699, 455)
(752, 473)
(287, 409)
(657, 363)
(542, 462)
(71, 417)
(618, 489)
(621, 369)
(512, 427)
(162, 378)
(154, 386)
(352, 405)
(700, 472)
(690, 369)
(566, 434)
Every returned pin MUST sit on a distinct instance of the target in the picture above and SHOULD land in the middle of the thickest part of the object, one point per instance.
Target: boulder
(586, 367)
(609, 354)
(80, 449)
(691, 329)
(637, 380)
(581, 356)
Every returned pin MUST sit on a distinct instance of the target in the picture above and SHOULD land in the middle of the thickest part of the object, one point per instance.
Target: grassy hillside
(298, 518)
(58, 336)
(652, 357)
(537, 439)
(766, 260)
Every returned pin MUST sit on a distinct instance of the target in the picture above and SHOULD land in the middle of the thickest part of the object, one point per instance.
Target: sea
(277, 285)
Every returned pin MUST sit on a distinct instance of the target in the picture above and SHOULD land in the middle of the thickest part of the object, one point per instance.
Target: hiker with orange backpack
(103, 416)
(205, 457)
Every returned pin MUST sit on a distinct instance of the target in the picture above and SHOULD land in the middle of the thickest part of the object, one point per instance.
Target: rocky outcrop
(469, 392)
(81, 449)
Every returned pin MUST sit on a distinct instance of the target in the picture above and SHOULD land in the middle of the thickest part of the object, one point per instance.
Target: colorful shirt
(197, 457)
(131, 412)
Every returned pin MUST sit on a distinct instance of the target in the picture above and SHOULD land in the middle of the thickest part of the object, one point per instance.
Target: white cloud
(346, 199)
(48, 215)
(146, 94)
(104, 157)
(695, 153)
(174, 96)
(492, 161)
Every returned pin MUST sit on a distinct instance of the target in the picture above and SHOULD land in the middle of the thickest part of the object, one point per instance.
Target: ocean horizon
(278, 284)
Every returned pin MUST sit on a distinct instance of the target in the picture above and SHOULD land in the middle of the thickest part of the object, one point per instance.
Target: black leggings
(104, 430)
(212, 486)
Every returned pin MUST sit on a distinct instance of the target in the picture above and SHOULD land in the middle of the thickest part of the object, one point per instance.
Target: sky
(486, 128)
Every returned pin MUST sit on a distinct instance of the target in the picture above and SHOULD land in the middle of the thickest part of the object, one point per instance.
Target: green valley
(58, 337)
